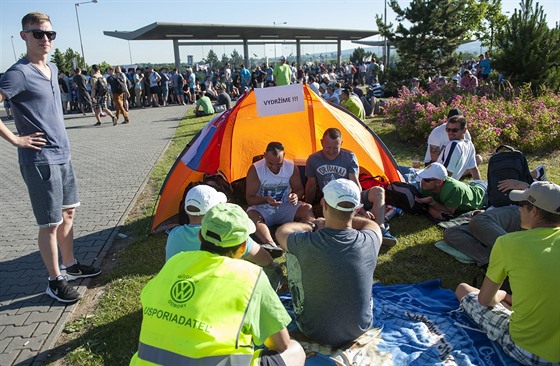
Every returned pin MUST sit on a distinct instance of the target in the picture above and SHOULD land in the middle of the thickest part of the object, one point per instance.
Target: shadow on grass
(415, 258)
(92, 347)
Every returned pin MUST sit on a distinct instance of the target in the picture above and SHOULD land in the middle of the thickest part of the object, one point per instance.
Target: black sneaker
(79, 270)
(60, 290)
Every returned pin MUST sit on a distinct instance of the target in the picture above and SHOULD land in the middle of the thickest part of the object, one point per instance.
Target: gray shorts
(283, 213)
(52, 188)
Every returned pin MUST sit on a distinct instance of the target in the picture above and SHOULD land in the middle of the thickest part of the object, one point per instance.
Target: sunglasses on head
(39, 34)
(454, 130)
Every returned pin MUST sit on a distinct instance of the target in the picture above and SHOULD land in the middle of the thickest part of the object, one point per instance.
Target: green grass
(109, 336)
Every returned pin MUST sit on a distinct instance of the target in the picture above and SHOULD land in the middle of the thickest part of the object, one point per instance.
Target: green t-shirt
(282, 74)
(206, 104)
(531, 260)
(265, 315)
(456, 194)
(353, 107)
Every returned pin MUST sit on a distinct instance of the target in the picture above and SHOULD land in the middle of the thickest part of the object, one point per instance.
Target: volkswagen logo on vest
(182, 291)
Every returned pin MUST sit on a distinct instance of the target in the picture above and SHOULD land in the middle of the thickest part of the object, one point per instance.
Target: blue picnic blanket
(422, 324)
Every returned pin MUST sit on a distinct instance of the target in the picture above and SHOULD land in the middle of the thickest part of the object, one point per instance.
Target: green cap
(226, 225)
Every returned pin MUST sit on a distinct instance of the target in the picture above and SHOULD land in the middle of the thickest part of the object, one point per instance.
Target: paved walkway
(112, 165)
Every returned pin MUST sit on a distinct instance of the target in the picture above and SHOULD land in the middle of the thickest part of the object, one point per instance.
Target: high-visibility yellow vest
(193, 312)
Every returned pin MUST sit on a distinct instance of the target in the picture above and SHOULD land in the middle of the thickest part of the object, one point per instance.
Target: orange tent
(230, 141)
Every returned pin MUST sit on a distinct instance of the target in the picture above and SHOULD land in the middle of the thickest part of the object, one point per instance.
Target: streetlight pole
(385, 51)
(79, 30)
(275, 24)
(14, 49)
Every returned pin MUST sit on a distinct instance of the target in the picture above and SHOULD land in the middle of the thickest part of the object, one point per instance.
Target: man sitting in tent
(207, 307)
(333, 162)
(330, 263)
(273, 193)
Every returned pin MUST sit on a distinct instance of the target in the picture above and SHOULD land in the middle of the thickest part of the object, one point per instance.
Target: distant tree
(437, 28)
(236, 59)
(225, 60)
(212, 58)
(527, 51)
(493, 21)
(359, 55)
(103, 66)
(65, 61)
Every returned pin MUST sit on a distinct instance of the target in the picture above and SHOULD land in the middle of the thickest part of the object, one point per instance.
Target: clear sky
(123, 15)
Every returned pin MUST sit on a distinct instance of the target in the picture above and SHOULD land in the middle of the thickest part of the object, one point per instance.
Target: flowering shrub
(531, 124)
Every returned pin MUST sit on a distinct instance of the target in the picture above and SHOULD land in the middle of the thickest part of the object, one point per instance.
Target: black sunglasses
(39, 34)
(428, 179)
(454, 130)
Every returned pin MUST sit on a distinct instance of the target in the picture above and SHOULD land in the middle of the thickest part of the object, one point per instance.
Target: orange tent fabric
(230, 141)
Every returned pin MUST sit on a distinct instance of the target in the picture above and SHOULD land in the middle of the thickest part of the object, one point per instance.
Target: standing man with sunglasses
(459, 155)
(44, 154)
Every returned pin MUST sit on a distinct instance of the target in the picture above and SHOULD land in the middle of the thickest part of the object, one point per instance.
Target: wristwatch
(313, 225)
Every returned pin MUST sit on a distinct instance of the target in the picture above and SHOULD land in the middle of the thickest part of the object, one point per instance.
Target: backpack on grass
(402, 195)
(506, 163)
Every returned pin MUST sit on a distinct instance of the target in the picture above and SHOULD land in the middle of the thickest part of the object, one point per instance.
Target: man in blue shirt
(31, 85)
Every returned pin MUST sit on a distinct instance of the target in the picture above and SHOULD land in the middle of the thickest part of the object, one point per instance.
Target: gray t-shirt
(37, 107)
(325, 170)
(330, 274)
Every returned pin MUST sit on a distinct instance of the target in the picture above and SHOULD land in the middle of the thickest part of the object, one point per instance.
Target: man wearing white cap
(330, 263)
(446, 196)
(282, 72)
(526, 325)
(184, 238)
(207, 307)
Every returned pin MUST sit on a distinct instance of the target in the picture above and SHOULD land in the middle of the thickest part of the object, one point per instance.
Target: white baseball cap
(204, 198)
(342, 191)
(433, 171)
(544, 195)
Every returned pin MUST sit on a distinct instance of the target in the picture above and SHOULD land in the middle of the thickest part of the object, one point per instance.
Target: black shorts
(270, 358)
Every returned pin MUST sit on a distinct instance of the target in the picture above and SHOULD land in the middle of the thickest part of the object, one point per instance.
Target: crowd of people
(210, 302)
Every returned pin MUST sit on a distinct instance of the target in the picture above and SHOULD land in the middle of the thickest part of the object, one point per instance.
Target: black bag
(506, 163)
(119, 86)
(100, 87)
(402, 195)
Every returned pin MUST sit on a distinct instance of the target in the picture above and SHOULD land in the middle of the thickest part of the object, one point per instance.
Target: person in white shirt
(459, 155)
(438, 138)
